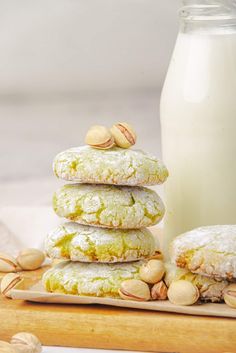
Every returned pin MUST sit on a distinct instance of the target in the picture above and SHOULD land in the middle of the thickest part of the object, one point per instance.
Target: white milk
(198, 119)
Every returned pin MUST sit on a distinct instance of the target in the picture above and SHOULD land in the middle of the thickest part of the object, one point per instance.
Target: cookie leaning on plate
(209, 251)
(89, 279)
(210, 290)
(109, 206)
(116, 166)
(78, 242)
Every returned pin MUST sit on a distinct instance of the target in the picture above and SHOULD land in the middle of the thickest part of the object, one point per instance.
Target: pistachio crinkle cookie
(109, 206)
(90, 279)
(209, 288)
(209, 251)
(92, 244)
(116, 166)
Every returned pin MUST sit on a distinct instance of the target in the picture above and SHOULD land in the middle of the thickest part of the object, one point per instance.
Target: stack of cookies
(106, 240)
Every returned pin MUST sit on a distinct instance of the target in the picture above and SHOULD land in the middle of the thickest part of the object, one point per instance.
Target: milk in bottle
(198, 119)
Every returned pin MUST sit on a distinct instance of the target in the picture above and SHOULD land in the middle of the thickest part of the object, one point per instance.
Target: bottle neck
(209, 16)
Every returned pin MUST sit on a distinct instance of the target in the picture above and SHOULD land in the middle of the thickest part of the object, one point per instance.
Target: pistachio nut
(7, 263)
(230, 295)
(134, 289)
(30, 259)
(152, 271)
(182, 292)
(6, 347)
(100, 137)
(124, 135)
(8, 282)
(159, 291)
(26, 342)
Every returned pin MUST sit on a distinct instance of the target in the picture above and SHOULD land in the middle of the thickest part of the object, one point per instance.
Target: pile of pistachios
(151, 286)
(27, 260)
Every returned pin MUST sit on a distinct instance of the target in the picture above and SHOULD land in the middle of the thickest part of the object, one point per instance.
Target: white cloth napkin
(22, 227)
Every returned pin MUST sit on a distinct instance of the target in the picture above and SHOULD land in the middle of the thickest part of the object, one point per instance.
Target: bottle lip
(207, 12)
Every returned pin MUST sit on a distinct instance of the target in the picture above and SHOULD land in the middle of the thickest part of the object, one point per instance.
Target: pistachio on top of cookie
(124, 135)
(100, 137)
(120, 134)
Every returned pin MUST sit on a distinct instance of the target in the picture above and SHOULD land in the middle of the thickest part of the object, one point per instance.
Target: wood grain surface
(115, 328)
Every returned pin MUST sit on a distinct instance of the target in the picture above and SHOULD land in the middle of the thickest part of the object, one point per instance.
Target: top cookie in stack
(109, 205)
(115, 166)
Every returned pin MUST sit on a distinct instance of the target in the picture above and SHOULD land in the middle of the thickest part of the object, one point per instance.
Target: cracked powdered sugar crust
(209, 288)
(109, 206)
(92, 244)
(90, 279)
(210, 251)
(116, 166)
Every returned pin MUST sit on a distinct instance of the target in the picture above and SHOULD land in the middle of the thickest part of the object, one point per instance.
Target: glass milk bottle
(198, 119)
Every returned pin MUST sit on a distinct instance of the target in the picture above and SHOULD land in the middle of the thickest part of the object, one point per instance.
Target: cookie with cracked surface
(209, 251)
(89, 279)
(210, 289)
(116, 166)
(109, 206)
(83, 243)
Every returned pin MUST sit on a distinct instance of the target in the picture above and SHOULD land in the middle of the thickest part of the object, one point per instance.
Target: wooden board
(116, 328)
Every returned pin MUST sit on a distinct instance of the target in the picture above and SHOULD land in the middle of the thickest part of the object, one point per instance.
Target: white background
(67, 64)
(85, 46)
